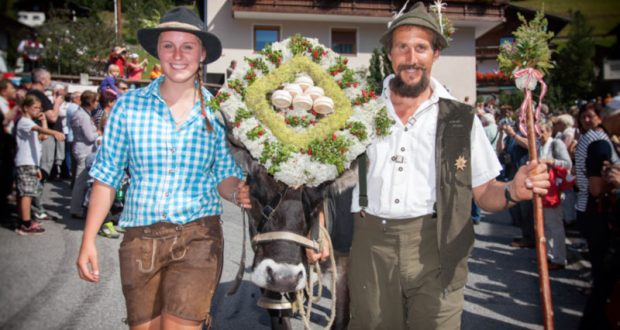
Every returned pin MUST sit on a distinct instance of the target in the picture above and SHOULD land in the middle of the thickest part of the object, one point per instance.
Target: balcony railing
(458, 9)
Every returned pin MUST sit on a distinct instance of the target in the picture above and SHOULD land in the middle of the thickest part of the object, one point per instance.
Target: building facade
(350, 27)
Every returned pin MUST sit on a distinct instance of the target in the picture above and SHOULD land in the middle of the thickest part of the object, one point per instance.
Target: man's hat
(184, 20)
(417, 15)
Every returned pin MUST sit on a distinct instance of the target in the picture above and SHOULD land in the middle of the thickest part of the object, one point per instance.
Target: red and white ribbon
(529, 74)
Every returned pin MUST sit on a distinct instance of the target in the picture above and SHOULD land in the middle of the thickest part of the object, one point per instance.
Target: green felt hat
(417, 15)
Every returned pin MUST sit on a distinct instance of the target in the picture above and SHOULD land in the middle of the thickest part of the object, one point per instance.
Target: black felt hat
(181, 19)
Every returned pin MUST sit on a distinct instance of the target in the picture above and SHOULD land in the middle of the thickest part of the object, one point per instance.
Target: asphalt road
(40, 289)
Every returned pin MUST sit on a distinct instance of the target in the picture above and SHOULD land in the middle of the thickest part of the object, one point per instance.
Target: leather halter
(271, 236)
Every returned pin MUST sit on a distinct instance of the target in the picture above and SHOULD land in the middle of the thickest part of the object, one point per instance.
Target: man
(413, 234)
(231, 68)
(71, 105)
(121, 85)
(41, 80)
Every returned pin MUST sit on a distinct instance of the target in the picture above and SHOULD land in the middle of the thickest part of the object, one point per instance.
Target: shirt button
(171, 171)
(166, 194)
(164, 215)
(402, 149)
(400, 169)
(406, 129)
(172, 150)
(396, 201)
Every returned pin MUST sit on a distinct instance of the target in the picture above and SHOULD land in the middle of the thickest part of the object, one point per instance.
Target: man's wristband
(508, 196)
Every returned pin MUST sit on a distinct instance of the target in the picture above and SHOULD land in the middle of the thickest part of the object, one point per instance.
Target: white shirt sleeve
(484, 163)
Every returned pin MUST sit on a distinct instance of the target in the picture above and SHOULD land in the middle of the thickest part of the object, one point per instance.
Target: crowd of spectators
(580, 149)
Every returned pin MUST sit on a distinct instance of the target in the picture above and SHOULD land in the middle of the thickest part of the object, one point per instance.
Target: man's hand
(321, 256)
(531, 178)
(59, 136)
(612, 173)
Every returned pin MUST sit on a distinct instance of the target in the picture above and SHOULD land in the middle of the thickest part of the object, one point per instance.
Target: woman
(178, 160)
(84, 137)
(135, 68)
(593, 150)
(553, 152)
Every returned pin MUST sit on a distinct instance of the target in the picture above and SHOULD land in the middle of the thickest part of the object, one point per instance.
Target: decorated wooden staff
(527, 59)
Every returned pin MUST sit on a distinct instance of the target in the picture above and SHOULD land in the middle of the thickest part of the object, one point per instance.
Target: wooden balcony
(457, 9)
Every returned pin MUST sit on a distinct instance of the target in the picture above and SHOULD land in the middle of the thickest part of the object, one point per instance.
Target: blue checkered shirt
(174, 172)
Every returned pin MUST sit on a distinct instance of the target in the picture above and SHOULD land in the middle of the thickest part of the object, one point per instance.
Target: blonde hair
(203, 111)
(113, 68)
(565, 119)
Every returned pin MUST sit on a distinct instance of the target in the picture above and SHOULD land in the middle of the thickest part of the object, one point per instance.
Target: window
(265, 35)
(344, 41)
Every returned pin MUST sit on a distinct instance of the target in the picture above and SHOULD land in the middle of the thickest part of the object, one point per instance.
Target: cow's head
(279, 265)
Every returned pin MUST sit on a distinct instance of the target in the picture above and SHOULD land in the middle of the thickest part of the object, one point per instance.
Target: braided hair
(202, 99)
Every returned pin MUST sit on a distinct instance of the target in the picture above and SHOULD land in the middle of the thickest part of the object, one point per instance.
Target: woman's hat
(181, 19)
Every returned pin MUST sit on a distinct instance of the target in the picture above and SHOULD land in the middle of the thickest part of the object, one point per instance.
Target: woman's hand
(87, 263)
(241, 196)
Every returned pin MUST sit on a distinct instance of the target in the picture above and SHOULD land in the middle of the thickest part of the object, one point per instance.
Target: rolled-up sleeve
(112, 156)
(224, 165)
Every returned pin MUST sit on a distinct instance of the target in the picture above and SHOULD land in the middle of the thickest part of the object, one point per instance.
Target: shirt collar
(439, 91)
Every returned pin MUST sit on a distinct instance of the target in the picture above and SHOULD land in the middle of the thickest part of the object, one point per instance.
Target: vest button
(400, 169)
(402, 149)
(393, 158)
(396, 201)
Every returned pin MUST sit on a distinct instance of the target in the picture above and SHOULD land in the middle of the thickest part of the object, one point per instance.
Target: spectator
(118, 57)
(7, 142)
(121, 85)
(7, 94)
(231, 68)
(109, 81)
(490, 128)
(71, 106)
(489, 105)
(41, 80)
(593, 150)
(513, 151)
(564, 130)
(155, 72)
(553, 152)
(27, 162)
(107, 102)
(31, 50)
(136, 68)
(84, 137)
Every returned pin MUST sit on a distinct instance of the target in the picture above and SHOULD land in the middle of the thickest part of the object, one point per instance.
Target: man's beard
(398, 86)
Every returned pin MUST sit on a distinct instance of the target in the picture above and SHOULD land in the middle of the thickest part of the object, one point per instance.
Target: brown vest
(454, 226)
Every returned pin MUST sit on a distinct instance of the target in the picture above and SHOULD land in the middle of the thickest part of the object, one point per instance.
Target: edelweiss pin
(460, 163)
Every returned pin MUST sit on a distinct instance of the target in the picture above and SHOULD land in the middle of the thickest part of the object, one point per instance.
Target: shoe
(40, 216)
(34, 229)
(107, 230)
(77, 216)
(475, 221)
(555, 266)
(520, 243)
(119, 229)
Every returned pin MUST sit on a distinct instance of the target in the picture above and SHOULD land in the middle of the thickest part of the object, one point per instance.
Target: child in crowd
(109, 82)
(156, 72)
(27, 161)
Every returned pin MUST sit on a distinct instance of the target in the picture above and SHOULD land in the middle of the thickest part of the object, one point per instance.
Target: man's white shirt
(401, 172)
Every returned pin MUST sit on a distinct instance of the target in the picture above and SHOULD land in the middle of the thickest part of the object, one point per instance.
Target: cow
(280, 267)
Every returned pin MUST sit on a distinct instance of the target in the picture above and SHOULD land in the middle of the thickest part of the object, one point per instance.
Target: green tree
(139, 14)
(380, 67)
(573, 76)
(73, 47)
(375, 74)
